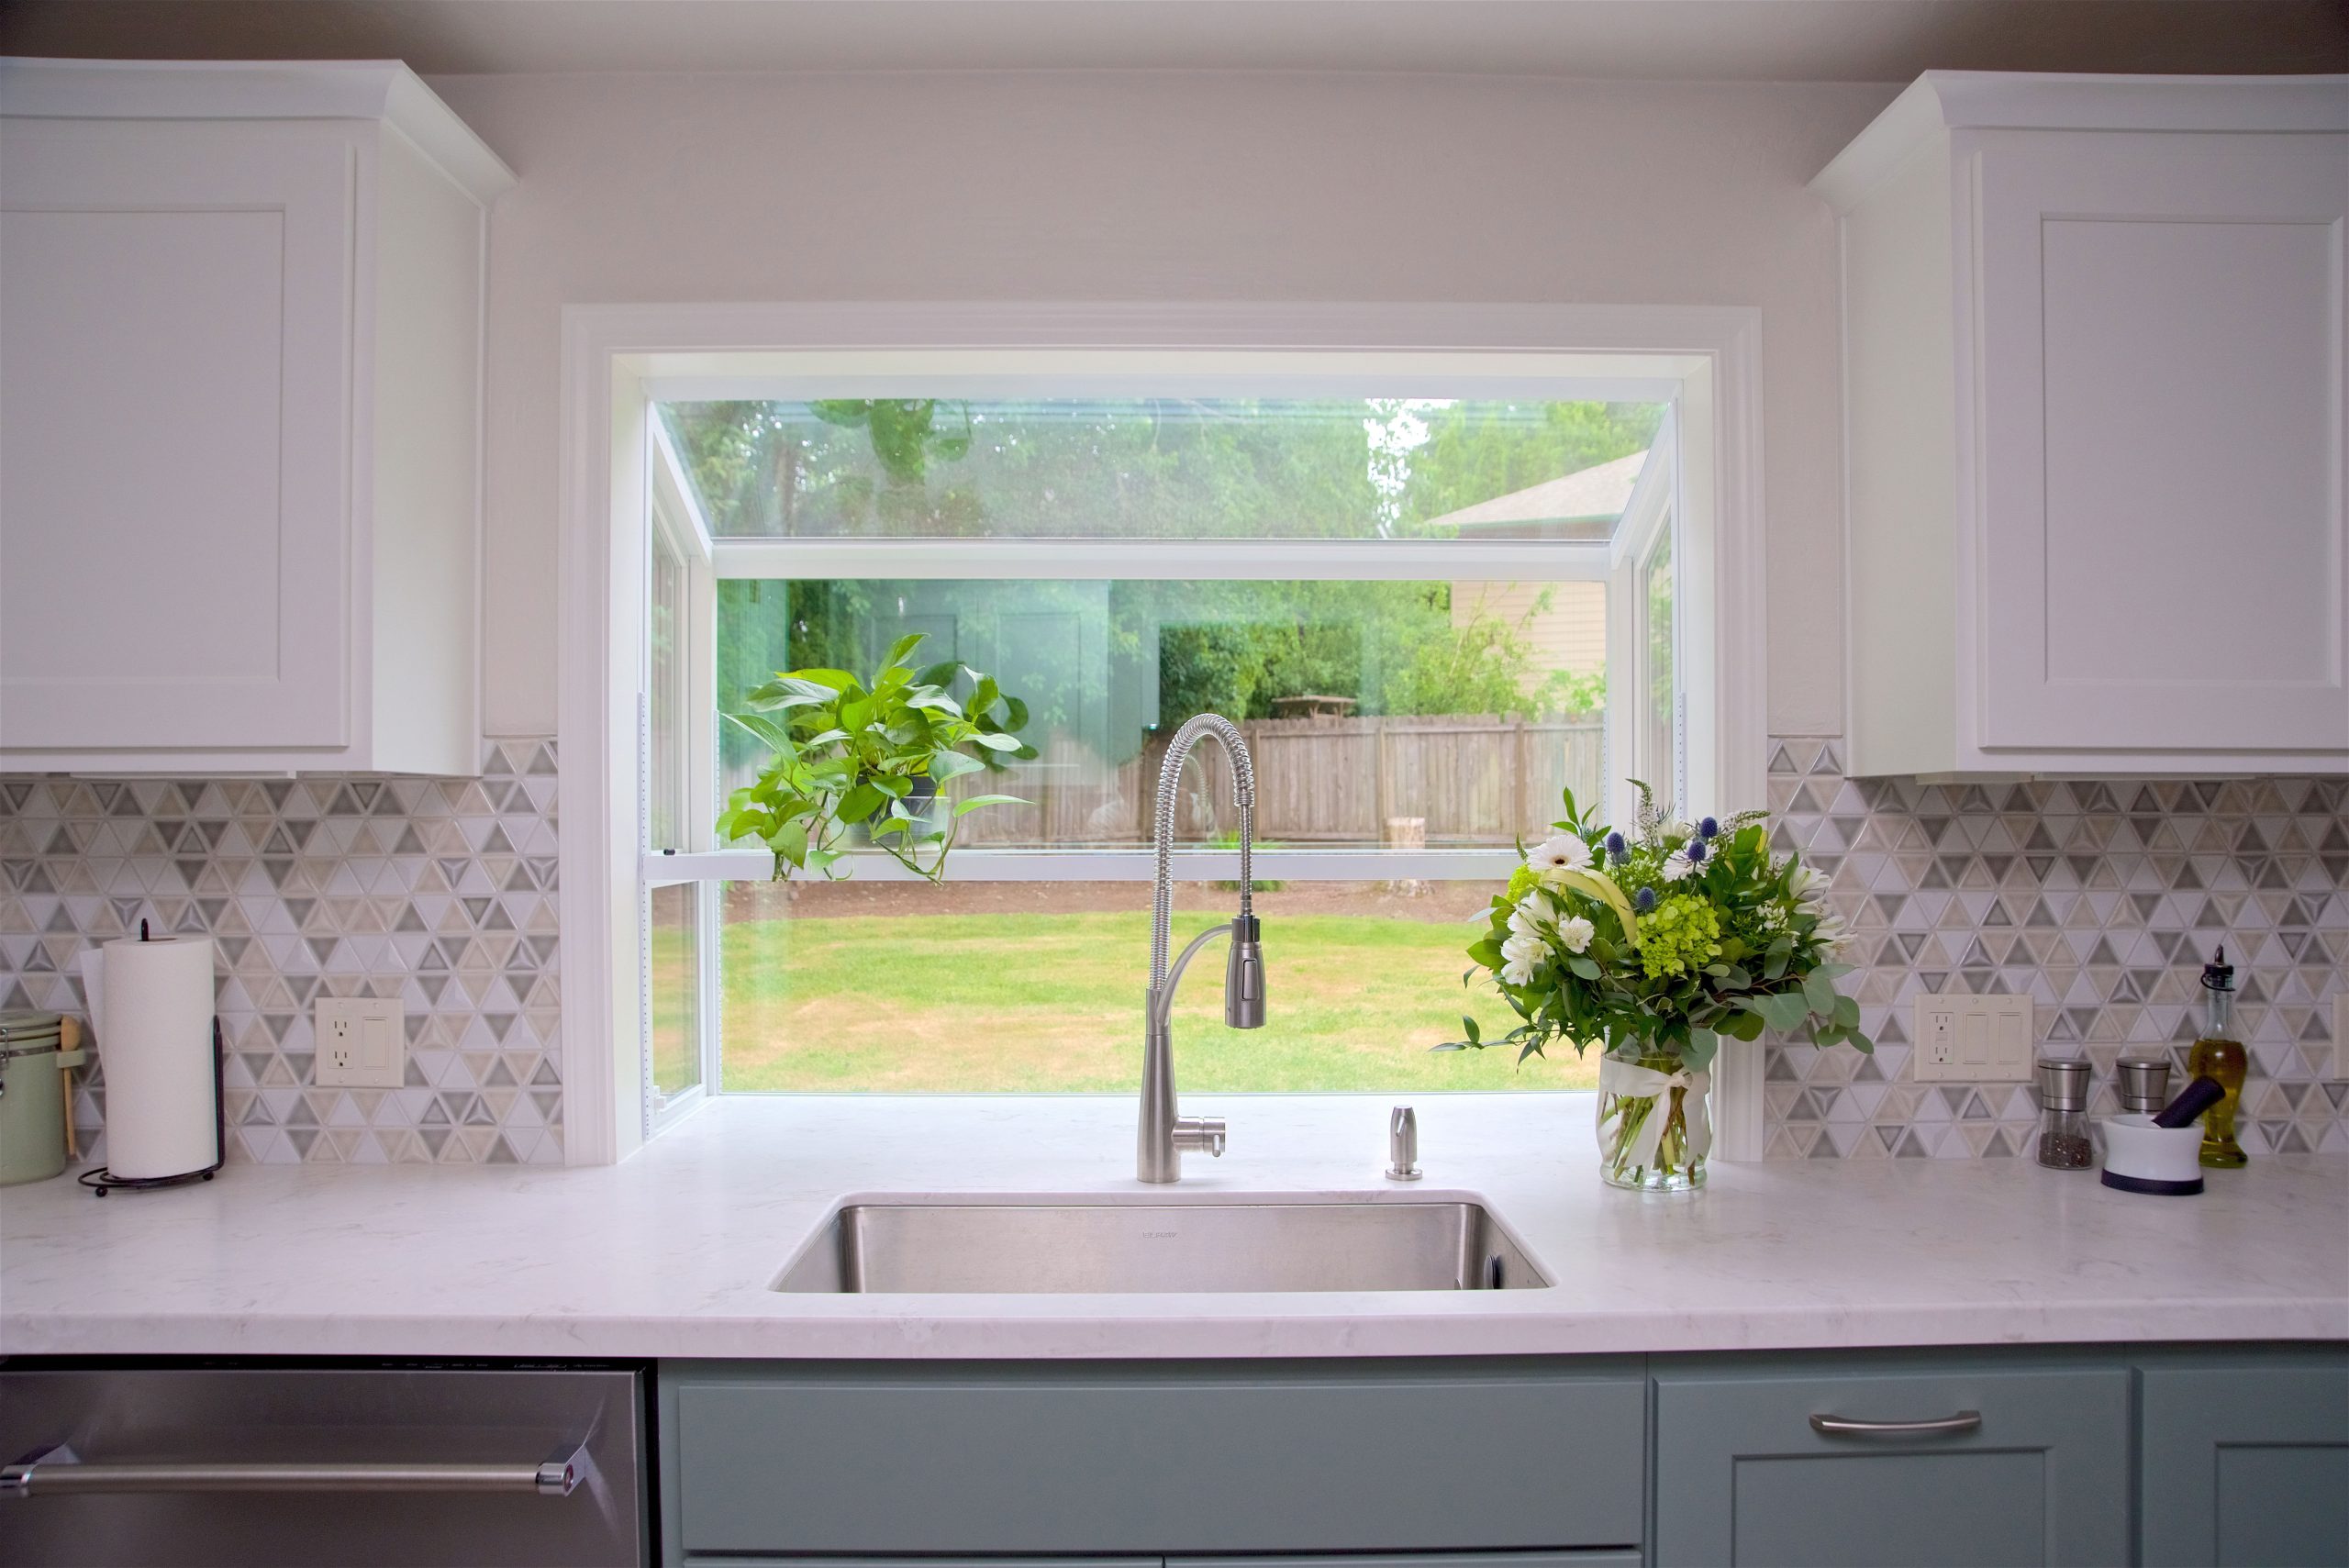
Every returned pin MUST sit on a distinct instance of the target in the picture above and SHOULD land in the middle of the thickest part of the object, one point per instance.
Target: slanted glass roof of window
(1166, 468)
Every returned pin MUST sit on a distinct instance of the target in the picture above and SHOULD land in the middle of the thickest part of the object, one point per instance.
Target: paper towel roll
(155, 1043)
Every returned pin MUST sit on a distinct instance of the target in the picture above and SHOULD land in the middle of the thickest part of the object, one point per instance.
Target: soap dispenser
(2218, 1054)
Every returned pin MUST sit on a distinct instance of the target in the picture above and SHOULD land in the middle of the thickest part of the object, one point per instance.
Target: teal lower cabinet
(1154, 1460)
(2244, 1457)
(2089, 1456)
(1972, 1461)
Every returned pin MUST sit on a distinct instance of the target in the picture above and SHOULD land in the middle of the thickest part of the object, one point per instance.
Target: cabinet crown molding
(2003, 100)
(384, 90)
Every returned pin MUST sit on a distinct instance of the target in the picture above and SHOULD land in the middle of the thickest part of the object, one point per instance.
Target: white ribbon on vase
(1620, 1080)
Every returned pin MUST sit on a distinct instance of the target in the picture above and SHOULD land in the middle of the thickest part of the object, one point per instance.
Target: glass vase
(1654, 1139)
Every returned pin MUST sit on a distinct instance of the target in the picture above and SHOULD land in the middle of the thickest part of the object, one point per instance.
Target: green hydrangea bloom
(1682, 935)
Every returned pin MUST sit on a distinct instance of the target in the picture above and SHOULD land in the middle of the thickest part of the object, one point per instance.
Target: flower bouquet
(1655, 945)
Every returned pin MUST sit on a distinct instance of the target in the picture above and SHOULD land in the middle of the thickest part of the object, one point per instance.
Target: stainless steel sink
(1103, 1245)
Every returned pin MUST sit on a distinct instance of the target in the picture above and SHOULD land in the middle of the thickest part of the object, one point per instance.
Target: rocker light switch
(360, 1042)
(1966, 1039)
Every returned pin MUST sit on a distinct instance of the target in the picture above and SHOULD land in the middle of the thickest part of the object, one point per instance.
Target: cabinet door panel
(1741, 1475)
(1148, 1460)
(2163, 448)
(176, 322)
(2246, 1460)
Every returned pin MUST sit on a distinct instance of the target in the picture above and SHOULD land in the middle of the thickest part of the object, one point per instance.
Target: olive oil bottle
(2218, 1054)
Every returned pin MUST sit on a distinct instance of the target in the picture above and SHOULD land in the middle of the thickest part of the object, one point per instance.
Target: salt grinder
(2143, 1085)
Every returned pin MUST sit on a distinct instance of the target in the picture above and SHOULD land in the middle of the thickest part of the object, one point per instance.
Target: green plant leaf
(965, 807)
(1819, 994)
(944, 765)
(994, 742)
(858, 802)
(903, 646)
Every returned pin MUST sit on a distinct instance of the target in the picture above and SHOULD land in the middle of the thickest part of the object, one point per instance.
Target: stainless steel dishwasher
(366, 1465)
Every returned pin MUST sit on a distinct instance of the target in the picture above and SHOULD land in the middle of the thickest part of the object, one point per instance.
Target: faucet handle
(1403, 1145)
(1200, 1135)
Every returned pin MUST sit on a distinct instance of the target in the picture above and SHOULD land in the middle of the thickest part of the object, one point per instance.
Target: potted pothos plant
(1654, 945)
(875, 756)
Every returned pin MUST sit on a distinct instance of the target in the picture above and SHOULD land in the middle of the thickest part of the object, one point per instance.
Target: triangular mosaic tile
(440, 892)
(2099, 900)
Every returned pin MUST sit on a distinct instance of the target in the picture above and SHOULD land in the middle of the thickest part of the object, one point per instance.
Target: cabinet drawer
(1742, 1475)
(1150, 1460)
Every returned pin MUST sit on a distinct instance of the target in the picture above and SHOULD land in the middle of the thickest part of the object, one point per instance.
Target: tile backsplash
(2101, 900)
(440, 892)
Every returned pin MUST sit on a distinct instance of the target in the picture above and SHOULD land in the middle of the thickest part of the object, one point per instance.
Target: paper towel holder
(101, 1180)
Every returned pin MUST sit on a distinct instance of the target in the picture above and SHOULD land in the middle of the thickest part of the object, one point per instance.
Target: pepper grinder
(2064, 1143)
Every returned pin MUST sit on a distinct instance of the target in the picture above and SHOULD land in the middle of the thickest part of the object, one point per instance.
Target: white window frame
(619, 360)
(674, 519)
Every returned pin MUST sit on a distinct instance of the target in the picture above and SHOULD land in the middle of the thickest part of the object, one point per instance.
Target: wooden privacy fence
(1466, 779)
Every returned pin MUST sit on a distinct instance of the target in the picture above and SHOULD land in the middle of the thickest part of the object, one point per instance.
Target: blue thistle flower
(1708, 828)
(1644, 901)
(1617, 850)
(1695, 851)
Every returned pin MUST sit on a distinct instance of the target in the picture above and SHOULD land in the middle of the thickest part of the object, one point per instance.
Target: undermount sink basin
(1101, 1245)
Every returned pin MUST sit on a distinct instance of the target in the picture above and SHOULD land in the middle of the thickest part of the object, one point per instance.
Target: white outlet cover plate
(1963, 1037)
(363, 1042)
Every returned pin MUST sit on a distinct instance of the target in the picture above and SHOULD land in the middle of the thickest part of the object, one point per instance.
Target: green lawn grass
(1017, 1002)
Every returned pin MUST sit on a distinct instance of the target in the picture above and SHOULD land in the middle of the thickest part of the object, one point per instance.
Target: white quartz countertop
(672, 1252)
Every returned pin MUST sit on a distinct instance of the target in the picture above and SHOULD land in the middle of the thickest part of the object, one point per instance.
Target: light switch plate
(1965, 1038)
(363, 1042)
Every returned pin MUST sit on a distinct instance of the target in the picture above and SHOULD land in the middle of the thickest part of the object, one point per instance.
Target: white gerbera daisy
(1574, 933)
(1562, 853)
(1676, 865)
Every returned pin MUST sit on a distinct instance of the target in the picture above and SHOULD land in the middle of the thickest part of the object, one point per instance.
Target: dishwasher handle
(57, 1471)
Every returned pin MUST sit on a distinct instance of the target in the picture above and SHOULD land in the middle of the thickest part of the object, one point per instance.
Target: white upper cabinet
(240, 314)
(2095, 437)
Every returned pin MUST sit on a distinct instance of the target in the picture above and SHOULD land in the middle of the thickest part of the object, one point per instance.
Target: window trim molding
(609, 353)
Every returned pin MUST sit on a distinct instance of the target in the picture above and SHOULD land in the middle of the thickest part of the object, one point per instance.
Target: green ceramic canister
(32, 1095)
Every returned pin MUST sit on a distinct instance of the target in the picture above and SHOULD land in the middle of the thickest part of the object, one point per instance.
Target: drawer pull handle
(1948, 1426)
(56, 1471)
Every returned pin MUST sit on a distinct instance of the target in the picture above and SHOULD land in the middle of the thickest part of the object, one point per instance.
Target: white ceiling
(1872, 40)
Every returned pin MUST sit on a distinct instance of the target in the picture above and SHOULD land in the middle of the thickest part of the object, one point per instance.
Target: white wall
(1162, 187)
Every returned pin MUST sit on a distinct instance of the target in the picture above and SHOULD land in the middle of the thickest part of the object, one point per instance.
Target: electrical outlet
(361, 1042)
(1963, 1037)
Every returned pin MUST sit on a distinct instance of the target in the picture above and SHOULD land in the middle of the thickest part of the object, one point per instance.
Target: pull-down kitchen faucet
(1164, 1137)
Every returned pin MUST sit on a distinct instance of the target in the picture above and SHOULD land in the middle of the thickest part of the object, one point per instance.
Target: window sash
(1083, 560)
(1121, 865)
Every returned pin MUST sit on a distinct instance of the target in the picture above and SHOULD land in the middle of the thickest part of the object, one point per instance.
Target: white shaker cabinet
(2094, 424)
(241, 318)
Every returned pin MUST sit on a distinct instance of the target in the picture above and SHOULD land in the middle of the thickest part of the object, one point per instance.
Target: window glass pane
(1414, 713)
(1164, 467)
(676, 995)
(1029, 986)
(666, 702)
(1661, 699)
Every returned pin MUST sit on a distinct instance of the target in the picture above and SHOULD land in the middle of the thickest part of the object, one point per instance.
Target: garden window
(1430, 608)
